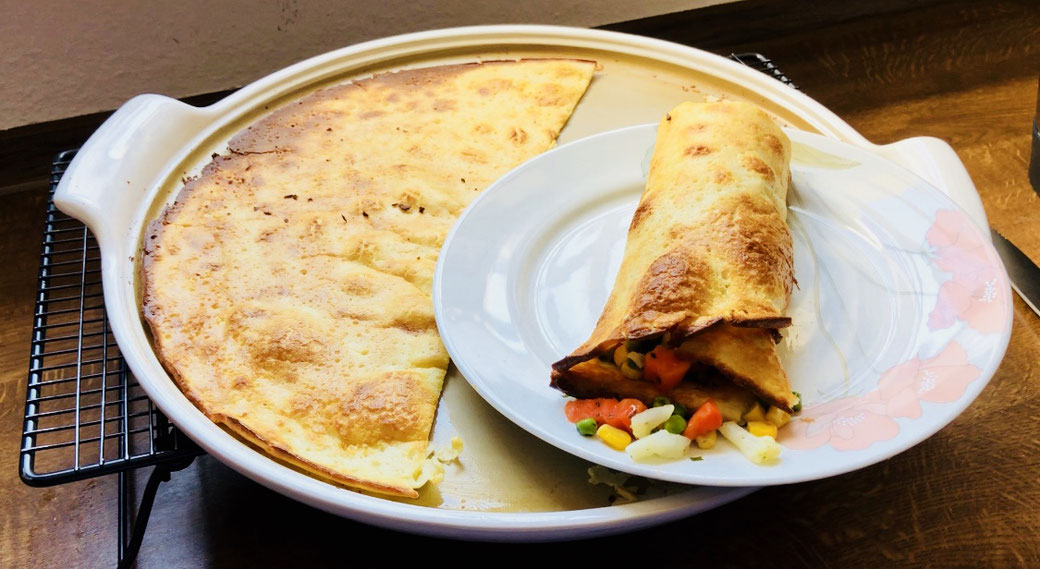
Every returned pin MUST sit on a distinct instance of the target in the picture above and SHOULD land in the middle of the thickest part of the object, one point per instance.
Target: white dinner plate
(901, 315)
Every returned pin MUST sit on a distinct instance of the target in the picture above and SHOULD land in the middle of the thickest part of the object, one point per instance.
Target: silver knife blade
(1025, 276)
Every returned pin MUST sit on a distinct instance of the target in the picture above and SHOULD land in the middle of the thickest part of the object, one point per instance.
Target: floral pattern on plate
(971, 298)
(856, 422)
(972, 294)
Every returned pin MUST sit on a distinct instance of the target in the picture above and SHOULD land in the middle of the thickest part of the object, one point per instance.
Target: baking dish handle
(106, 181)
(936, 162)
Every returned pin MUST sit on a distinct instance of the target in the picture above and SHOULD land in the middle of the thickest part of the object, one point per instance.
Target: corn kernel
(761, 429)
(620, 355)
(707, 441)
(613, 436)
(777, 416)
(757, 413)
(637, 359)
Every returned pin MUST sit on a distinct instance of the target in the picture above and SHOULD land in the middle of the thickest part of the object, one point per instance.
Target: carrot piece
(664, 367)
(621, 416)
(579, 409)
(706, 419)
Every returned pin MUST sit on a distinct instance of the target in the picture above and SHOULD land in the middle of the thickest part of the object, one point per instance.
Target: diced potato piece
(758, 450)
(645, 422)
(761, 429)
(777, 416)
(661, 443)
(613, 436)
(707, 441)
(757, 413)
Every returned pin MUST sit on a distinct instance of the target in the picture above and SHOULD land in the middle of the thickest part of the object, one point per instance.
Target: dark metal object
(1024, 274)
(85, 414)
(131, 529)
(762, 63)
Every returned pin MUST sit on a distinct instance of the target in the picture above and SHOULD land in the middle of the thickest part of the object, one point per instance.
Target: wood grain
(967, 497)
(53, 526)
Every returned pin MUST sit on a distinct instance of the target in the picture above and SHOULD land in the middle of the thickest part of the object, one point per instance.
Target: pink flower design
(855, 423)
(852, 423)
(941, 379)
(974, 293)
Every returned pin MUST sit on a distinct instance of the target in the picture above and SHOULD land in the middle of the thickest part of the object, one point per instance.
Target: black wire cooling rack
(85, 414)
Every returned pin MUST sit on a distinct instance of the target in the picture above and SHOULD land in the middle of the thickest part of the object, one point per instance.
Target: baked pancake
(288, 287)
(707, 269)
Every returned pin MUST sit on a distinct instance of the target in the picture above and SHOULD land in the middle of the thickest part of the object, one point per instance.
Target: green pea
(675, 425)
(680, 410)
(797, 406)
(661, 401)
(587, 427)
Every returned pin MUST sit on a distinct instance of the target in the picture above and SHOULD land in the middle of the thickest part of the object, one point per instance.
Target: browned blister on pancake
(708, 249)
(288, 288)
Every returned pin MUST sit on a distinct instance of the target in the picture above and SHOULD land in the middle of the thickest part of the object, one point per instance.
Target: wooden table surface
(969, 496)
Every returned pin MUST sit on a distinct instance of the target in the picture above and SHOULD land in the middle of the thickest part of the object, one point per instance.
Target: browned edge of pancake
(435, 74)
(285, 455)
(273, 450)
(277, 452)
(189, 184)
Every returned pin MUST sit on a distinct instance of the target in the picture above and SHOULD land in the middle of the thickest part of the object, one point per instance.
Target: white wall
(62, 59)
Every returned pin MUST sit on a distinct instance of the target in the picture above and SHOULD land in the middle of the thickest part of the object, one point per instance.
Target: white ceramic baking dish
(130, 168)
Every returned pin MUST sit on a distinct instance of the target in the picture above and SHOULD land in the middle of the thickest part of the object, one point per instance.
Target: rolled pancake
(708, 262)
(288, 287)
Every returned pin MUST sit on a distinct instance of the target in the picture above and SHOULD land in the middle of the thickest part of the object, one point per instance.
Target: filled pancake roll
(707, 272)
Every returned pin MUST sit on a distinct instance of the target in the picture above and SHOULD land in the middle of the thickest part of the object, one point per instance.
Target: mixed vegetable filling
(667, 429)
(652, 361)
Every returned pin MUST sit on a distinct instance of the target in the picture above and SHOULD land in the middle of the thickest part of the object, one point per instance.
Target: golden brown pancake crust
(288, 286)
